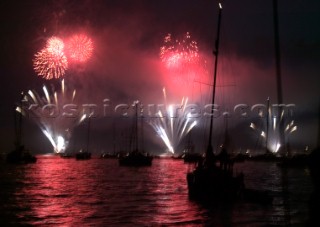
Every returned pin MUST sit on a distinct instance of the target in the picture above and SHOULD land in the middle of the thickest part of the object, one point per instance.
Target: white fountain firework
(270, 131)
(173, 124)
(56, 114)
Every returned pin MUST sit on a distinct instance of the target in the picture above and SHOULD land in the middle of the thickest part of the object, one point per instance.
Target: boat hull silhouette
(135, 159)
(20, 156)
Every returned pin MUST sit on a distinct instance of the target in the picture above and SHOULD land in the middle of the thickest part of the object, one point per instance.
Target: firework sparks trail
(173, 124)
(55, 125)
(50, 66)
(273, 136)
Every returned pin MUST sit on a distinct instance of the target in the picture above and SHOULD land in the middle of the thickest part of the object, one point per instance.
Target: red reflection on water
(98, 192)
(172, 202)
(50, 196)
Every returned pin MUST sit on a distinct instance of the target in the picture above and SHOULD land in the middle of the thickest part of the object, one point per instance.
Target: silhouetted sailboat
(287, 160)
(208, 182)
(84, 155)
(20, 155)
(114, 154)
(136, 156)
(189, 155)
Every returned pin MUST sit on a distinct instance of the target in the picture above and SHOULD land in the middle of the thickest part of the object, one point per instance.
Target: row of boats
(134, 158)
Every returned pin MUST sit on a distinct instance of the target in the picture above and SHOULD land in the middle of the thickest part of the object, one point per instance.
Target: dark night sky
(125, 65)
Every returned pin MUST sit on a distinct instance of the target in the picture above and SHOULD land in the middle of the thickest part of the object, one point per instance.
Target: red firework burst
(50, 64)
(179, 53)
(55, 46)
(79, 48)
(181, 60)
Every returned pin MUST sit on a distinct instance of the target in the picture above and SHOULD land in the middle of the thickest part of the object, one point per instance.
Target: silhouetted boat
(135, 157)
(192, 157)
(314, 201)
(20, 155)
(241, 157)
(83, 155)
(290, 160)
(66, 155)
(295, 161)
(266, 157)
(177, 157)
(208, 182)
(189, 155)
(114, 153)
(109, 155)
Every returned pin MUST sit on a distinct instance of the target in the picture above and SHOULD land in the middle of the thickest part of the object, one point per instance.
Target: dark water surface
(98, 192)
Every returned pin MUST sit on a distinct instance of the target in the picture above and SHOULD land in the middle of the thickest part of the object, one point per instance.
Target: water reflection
(98, 192)
(171, 196)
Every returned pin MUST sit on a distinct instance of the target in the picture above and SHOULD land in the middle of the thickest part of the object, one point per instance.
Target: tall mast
(267, 127)
(318, 139)
(88, 133)
(114, 135)
(142, 134)
(18, 123)
(216, 53)
(278, 71)
(136, 127)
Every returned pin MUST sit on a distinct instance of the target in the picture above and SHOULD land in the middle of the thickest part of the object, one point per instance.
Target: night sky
(125, 65)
